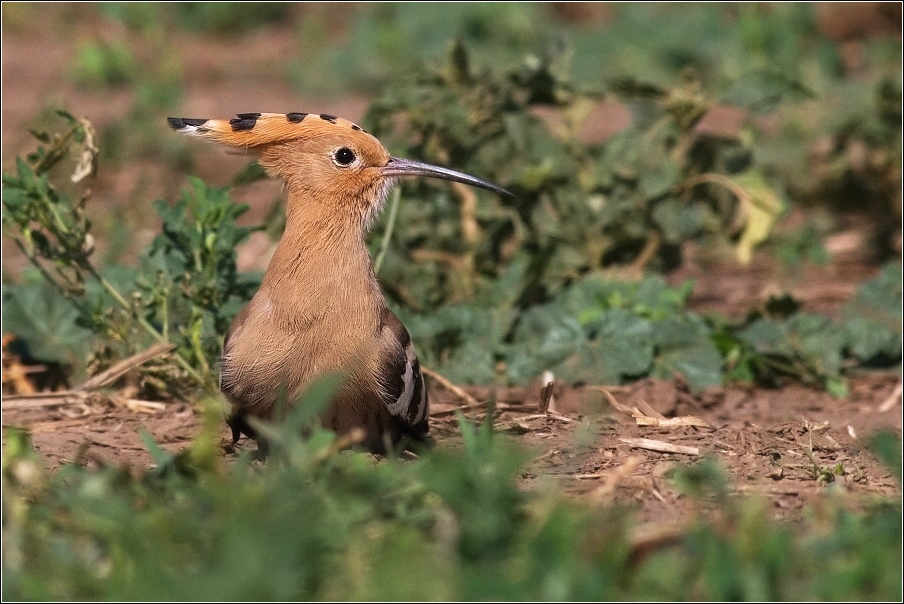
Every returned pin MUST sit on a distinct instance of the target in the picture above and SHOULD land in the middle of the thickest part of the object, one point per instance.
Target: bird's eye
(344, 156)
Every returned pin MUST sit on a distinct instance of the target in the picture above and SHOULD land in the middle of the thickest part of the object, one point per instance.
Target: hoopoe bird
(319, 308)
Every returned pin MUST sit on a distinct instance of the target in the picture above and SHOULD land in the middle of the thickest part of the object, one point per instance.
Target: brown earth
(773, 442)
(781, 444)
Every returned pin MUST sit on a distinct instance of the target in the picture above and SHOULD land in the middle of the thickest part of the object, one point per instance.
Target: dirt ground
(773, 442)
(583, 444)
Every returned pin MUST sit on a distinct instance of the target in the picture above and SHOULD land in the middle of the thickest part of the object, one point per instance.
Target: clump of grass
(186, 289)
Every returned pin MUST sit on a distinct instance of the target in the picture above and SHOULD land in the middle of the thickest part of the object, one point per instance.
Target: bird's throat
(321, 267)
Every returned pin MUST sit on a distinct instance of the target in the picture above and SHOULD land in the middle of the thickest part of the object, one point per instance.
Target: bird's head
(322, 157)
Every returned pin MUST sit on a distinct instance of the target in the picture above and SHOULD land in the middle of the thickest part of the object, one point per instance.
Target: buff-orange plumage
(319, 309)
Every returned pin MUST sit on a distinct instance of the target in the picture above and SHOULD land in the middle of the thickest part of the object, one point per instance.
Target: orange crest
(251, 130)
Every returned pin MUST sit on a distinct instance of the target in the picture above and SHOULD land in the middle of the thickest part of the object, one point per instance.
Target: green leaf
(160, 457)
(679, 221)
(657, 173)
(38, 314)
(887, 447)
(874, 316)
(819, 340)
(767, 336)
(836, 385)
(622, 347)
(684, 345)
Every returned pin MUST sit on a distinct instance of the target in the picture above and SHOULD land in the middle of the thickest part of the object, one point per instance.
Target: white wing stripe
(400, 407)
(422, 404)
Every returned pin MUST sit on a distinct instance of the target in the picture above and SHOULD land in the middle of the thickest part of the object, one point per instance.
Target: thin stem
(390, 226)
(719, 179)
(122, 302)
(180, 360)
(54, 154)
(49, 277)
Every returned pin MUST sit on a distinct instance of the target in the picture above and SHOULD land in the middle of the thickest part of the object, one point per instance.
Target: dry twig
(105, 378)
(659, 446)
(43, 399)
(445, 383)
(687, 420)
(76, 397)
(608, 488)
(550, 415)
(613, 401)
(138, 405)
(893, 398)
(546, 396)
(650, 417)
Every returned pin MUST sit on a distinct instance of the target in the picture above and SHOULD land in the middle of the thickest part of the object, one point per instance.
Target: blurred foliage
(829, 146)
(492, 291)
(227, 17)
(104, 65)
(578, 207)
(740, 49)
(136, 56)
(496, 290)
(794, 248)
(384, 41)
(214, 18)
(600, 330)
(186, 289)
(874, 317)
(316, 524)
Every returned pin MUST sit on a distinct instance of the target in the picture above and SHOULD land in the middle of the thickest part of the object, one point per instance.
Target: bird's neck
(321, 263)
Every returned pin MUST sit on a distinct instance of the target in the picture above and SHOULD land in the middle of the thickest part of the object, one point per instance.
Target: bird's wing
(401, 381)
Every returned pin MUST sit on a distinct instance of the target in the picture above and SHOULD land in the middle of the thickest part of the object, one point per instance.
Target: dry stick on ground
(473, 403)
(445, 383)
(646, 418)
(659, 446)
(548, 415)
(895, 396)
(74, 397)
(79, 394)
(105, 378)
(545, 397)
(47, 399)
(688, 420)
(613, 401)
(138, 405)
(480, 405)
(613, 478)
(518, 423)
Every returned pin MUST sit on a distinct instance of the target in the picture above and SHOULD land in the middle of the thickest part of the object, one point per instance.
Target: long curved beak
(408, 167)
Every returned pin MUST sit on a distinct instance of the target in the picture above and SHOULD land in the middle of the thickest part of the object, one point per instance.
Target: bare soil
(773, 442)
(764, 438)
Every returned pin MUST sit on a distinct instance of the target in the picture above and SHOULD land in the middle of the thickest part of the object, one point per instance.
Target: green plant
(602, 330)
(578, 207)
(314, 523)
(228, 18)
(186, 290)
(138, 58)
(100, 64)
